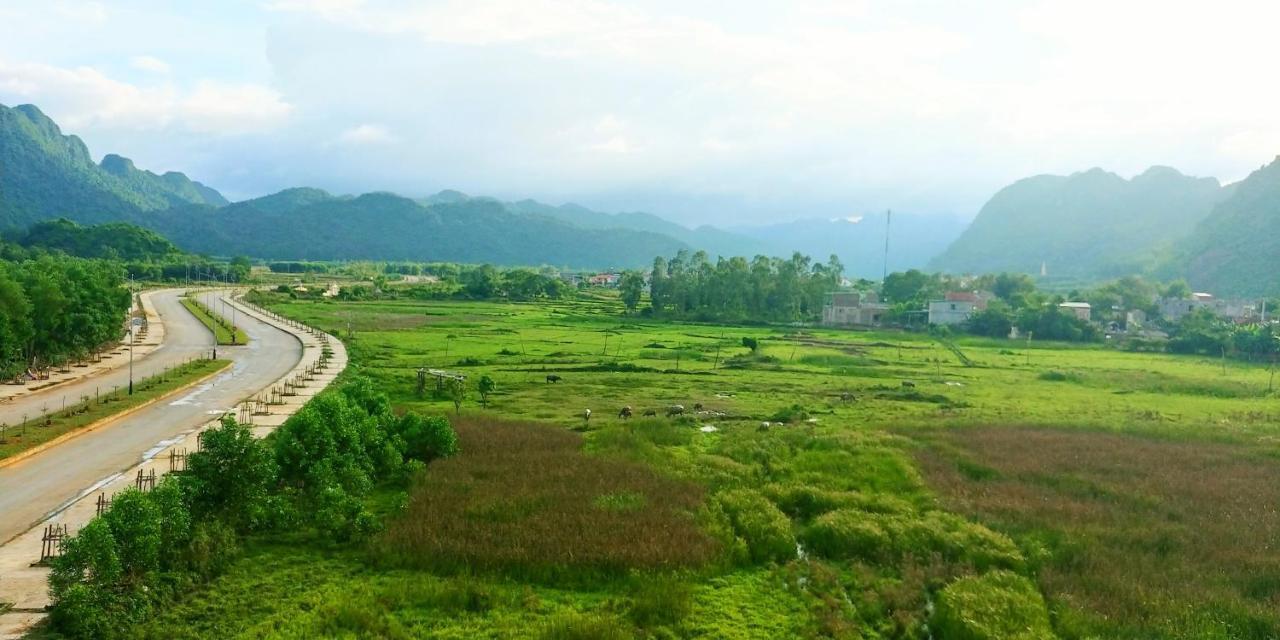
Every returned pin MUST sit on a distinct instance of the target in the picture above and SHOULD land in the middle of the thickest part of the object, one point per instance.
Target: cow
(625, 413)
(697, 407)
(586, 417)
(675, 410)
(846, 397)
(553, 378)
(650, 412)
(907, 384)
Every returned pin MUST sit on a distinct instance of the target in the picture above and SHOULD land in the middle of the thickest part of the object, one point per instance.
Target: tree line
(55, 309)
(311, 475)
(761, 289)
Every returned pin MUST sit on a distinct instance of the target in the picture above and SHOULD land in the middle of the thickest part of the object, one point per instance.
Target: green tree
(631, 288)
(231, 475)
(456, 388)
(485, 386)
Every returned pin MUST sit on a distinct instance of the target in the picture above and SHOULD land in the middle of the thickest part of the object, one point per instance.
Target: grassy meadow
(1039, 490)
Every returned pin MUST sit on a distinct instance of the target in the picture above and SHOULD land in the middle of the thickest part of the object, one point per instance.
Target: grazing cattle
(553, 378)
(846, 397)
(697, 407)
(586, 416)
(675, 410)
(764, 426)
(650, 412)
(907, 384)
(625, 414)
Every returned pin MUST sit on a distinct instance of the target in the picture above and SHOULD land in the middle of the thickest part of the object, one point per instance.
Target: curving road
(33, 488)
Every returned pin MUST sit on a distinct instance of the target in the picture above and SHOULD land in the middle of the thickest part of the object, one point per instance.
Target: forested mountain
(111, 240)
(310, 224)
(44, 174)
(1234, 250)
(1089, 224)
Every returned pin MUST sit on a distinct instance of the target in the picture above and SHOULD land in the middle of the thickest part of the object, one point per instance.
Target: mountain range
(45, 174)
(1086, 226)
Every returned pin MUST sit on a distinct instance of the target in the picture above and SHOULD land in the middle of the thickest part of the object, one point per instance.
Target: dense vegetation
(112, 240)
(149, 548)
(764, 288)
(1090, 224)
(57, 309)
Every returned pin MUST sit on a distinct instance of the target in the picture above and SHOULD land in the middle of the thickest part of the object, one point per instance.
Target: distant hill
(1089, 224)
(44, 174)
(1234, 250)
(118, 240)
(311, 224)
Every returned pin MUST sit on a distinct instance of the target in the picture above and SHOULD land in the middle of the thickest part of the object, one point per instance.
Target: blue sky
(714, 112)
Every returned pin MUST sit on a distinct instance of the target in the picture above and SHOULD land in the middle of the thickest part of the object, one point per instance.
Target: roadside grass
(224, 332)
(851, 520)
(525, 500)
(87, 410)
(1134, 537)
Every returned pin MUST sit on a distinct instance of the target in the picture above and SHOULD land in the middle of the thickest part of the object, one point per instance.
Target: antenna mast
(888, 218)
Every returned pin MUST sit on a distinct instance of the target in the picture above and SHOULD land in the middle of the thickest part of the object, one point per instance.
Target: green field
(224, 332)
(68, 414)
(1096, 493)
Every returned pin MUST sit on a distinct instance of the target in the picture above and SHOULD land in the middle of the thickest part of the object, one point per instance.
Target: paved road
(35, 487)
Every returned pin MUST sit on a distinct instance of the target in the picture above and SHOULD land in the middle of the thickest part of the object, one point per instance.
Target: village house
(1237, 311)
(1081, 310)
(605, 279)
(956, 306)
(854, 308)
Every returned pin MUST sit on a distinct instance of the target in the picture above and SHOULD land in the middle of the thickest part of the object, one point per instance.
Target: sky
(729, 113)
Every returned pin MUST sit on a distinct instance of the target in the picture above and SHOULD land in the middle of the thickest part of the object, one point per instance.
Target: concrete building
(1238, 311)
(854, 308)
(956, 306)
(1081, 310)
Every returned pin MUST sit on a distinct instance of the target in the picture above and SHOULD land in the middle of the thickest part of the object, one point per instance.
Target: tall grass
(524, 499)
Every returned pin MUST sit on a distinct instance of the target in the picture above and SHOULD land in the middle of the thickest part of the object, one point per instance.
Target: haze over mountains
(1088, 225)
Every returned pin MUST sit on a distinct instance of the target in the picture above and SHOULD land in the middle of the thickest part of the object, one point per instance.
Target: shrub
(853, 533)
(230, 477)
(586, 627)
(1000, 605)
(793, 413)
(660, 602)
(1059, 376)
(765, 530)
(426, 439)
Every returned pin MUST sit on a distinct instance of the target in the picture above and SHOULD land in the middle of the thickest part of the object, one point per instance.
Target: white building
(957, 306)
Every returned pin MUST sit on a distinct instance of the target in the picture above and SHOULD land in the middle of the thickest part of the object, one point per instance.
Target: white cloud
(150, 63)
(366, 134)
(85, 97)
(81, 11)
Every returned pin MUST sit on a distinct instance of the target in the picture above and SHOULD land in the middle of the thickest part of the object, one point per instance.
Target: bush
(586, 627)
(793, 413)
(1000, 605)
(764, 529)
(660, 602)
(426, 439)
(1059, 376)
(853, 533)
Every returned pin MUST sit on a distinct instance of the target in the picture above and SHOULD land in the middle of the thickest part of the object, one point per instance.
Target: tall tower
(888, 218)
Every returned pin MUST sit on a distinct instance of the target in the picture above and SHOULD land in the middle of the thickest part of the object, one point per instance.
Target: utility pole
(132, 342)
(888, 218)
